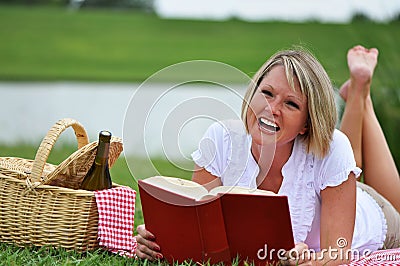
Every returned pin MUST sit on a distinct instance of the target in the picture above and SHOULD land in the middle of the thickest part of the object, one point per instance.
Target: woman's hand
(302, 256)
(147, 248)
(299, 255)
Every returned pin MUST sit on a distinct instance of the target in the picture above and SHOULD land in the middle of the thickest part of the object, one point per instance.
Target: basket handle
(50, 139)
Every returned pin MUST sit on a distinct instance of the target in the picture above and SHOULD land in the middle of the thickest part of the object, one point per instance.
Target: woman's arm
(205, 178)
(338, 213)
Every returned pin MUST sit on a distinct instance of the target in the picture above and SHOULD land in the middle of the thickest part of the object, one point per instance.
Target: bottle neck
(102, 153)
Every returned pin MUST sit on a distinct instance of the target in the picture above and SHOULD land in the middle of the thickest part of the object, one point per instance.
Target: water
(30, 109)
(161, 120)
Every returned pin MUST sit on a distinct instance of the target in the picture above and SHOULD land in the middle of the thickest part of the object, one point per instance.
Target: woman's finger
(297, 255)
(141, 229)
(144, 252)
(143, 255)
(146, 247)
(148, 243)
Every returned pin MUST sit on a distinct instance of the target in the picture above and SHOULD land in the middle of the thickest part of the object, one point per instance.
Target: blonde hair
(315, 84)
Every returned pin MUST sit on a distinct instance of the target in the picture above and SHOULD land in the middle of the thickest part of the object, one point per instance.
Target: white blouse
(304, 176)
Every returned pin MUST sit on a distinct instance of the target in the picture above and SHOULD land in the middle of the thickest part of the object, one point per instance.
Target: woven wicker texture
(36, 213)
(47, 216)
(68, 173)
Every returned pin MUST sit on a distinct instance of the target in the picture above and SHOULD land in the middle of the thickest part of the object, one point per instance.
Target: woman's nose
(274, 105)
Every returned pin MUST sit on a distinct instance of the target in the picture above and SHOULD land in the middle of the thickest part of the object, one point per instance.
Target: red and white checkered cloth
(380, 257)
(116, 208)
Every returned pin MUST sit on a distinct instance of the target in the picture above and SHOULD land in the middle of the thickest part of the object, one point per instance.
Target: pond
(163, 119)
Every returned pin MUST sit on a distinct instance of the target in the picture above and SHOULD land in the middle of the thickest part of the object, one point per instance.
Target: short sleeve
(213, 150)
(339, 163)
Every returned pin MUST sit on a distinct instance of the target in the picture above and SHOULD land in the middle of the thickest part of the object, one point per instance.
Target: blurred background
(85, 59)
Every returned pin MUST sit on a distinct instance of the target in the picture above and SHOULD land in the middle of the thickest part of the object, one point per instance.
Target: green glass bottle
(98, 177)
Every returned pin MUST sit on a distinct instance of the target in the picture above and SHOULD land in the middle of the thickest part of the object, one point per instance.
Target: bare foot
(361, 62)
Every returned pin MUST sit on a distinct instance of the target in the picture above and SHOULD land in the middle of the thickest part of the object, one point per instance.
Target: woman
(289, 145)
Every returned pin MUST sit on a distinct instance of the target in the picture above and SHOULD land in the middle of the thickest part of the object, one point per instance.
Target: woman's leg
(355, 91)
(352, 119)
(379, 168)
(361, 126)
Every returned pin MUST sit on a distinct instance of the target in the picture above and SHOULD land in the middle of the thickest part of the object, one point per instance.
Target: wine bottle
(98, 177)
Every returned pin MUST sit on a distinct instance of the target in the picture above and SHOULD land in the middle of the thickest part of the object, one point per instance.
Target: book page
(179, 186)
(240, 190)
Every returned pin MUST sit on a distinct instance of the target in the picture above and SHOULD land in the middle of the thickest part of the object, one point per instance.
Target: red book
(221, 225)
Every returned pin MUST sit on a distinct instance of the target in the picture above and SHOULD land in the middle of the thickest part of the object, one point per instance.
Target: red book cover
(184, 229)
(257, 226)
(214, 228)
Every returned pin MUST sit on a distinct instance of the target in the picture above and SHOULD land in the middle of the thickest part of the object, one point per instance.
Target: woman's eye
(267, 93)
(293, 104)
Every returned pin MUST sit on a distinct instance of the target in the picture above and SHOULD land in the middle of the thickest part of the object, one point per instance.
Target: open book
(191, 223)
(193, 190)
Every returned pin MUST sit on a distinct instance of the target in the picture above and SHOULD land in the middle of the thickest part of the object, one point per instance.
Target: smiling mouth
(268, 125)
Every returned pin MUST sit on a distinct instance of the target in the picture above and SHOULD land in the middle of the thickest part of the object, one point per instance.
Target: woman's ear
(304, 130)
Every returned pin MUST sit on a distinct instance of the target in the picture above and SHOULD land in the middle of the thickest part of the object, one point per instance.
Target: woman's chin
(262, 138)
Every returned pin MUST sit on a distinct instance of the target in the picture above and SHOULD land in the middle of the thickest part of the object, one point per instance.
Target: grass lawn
(48, 43)
(12, 255)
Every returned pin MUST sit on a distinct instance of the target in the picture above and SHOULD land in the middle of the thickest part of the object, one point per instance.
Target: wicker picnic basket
(40, 204)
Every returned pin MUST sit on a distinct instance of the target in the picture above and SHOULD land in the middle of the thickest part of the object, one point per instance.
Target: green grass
(49, 43)
(11, 255)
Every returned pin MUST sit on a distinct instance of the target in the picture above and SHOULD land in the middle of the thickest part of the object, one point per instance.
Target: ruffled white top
(225, 151)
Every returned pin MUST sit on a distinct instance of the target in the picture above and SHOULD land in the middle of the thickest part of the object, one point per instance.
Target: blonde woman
(287, 143)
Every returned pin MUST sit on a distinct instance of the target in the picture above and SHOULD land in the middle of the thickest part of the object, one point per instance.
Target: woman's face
(277, 112)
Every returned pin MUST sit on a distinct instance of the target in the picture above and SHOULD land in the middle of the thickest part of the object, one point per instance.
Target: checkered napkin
(116, 208)
(380, 257)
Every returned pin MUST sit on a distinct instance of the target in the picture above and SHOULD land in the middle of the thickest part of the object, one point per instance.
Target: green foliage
(139, 4)
(387, 107)
(360, 17)
(145, 5)
(43, 43)
(396, 18)
(32, 256)
(12, 255)
(35, 2)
